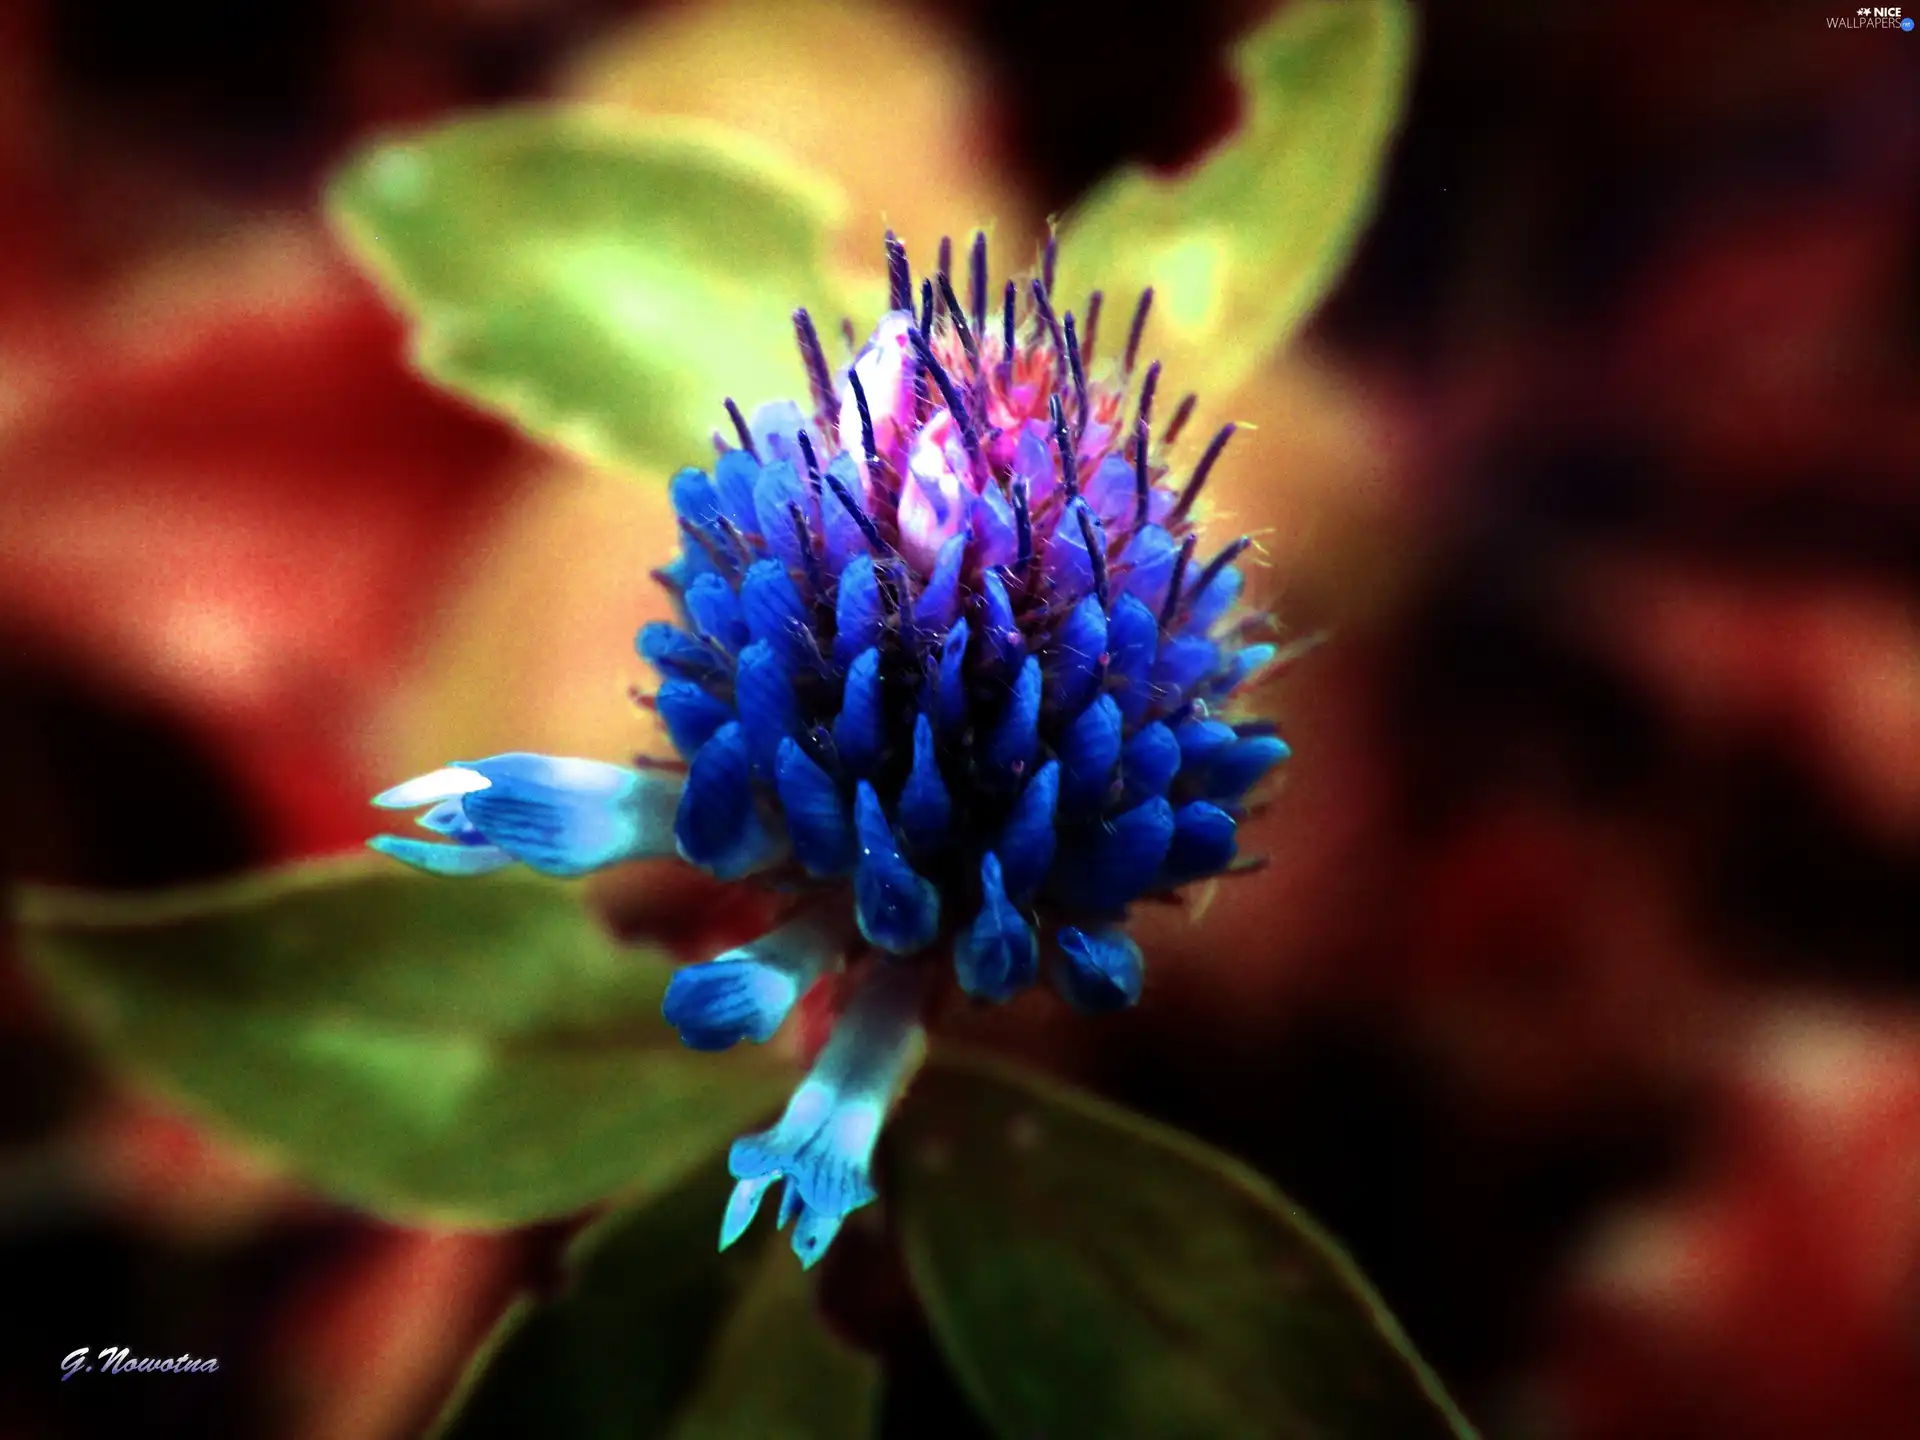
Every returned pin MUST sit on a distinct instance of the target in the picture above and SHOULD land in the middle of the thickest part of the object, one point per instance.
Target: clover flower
(950, 672)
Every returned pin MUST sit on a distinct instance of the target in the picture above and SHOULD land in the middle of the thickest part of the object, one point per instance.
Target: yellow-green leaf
(473, 1051)
(604, 282)
(1240, 248)
(1088, 1272)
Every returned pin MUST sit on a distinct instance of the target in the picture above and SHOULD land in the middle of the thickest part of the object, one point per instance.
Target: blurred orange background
(1581, 995)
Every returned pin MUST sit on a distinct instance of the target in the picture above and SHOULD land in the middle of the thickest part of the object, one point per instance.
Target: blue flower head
(952, 667)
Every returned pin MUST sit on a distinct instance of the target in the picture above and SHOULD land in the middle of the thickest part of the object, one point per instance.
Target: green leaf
(604, 283)
(1240, 248)
(660, 1335)
(473, 1051)
(1091, 1273)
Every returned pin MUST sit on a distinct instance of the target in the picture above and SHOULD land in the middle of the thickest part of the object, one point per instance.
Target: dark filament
(1079, 379)
(968, 437)
(1171, 606)
(867, 446)
(1047, 259)
(812, 462)
(1202, 470)
(1069, 465)
(926, 305)
(899, 278)
(1220, 562)
(860, 516)
(1006, 332)
(1142, 438)
(1096, 556)
(952, 302)
(740, 428)
(815, 579)
(945, 269)
(1023, 527)
(1136, 330)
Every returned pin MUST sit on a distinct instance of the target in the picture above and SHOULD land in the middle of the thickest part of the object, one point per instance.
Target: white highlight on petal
(434, 786)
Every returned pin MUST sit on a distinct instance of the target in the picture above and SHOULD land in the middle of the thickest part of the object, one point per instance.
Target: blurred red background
(1580, 996)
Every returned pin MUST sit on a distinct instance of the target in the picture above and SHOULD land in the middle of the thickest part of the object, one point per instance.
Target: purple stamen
(1023, 527)
(1182, 413)
(812, 462)
(1079, 378)
(977, 282)
(945, 269)
(1094, 302)
(899, 278)
(1201, 471)
(1045, 308)
(816, 581)
(1007, 334)
(1136, 330)
(1047, 259)
(741, 428)
(1171, 606)
(868, 447)
(819, 375)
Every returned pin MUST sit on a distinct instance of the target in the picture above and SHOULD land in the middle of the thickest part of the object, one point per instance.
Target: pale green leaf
(473, 1051)
(1241, 247)
(1088, 1272)
(603, 281)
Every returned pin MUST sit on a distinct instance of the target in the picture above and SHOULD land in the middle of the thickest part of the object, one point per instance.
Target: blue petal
(1088, 749)
(859, 616)
(950, 683)
(1211, 603)
(859, 734)
(1183, 662)
(1234, 771)
(734, 477)
(722, 1002)
(743, 1205)
(996, 538)
(676, 654)
(776, 614)
(1146, 566)
(714, 609)
(694, 498)
(718, 826)
(1027, 840)
(817, 818)
(814, 1234)
(1011, 745)
(1109, 490)
(563, 816)
(776, 428)
(1069, 568)
(898, 910)
(690, 714)
(998, 629)
(926, 811)
(1148, 763)
(1133, 638)
(1116, 861)
(1200, 741)
(1203, 844)
(777, 489)
(1077, 657)
(768, 709)
(438, 859)
(1101, 970)
(938, 605)
(998, 955)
